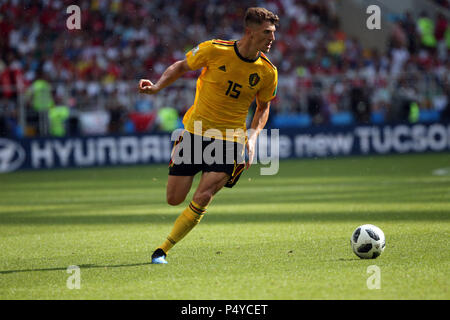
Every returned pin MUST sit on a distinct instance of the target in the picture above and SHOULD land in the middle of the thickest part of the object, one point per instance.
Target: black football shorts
(193, 153)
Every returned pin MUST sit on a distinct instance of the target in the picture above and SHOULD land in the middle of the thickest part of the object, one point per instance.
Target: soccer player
(234, 74)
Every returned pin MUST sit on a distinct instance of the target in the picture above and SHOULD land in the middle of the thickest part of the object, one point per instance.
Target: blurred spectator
(117, 115)
(399, 56)
(426, 27)
(443, 3)
(39, 95)
(58, 116)
(409, 26)
(360, 101)
(398, 35)
(167, 119)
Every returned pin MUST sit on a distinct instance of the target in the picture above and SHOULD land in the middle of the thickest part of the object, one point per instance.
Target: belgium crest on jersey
(254, 79)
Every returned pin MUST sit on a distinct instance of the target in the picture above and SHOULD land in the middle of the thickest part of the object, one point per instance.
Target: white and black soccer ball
(368, 241)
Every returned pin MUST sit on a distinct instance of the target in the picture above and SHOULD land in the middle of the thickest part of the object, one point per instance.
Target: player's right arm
(195, 59)
(171, 74)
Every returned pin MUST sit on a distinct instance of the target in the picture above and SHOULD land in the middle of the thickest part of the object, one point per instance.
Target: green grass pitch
(271, 237)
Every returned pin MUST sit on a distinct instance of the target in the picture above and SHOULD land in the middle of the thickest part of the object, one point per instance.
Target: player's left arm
(263, 98)
(258, 123)
(172, 73)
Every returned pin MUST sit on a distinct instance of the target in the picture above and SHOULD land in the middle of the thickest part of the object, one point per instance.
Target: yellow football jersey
(227, 86)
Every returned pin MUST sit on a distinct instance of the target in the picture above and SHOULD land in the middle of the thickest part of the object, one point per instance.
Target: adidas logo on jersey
(223, 68)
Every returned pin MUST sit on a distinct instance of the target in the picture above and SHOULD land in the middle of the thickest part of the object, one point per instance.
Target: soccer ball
(368, 241)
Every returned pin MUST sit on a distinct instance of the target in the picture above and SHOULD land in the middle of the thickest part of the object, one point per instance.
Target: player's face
(263, 35)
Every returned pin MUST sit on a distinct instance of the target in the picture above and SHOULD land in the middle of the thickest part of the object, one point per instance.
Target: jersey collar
(241, 57)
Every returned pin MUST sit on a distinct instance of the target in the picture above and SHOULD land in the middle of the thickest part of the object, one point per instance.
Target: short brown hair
(258, 15)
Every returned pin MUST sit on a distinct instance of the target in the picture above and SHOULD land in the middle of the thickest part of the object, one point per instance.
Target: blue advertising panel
(96, 151)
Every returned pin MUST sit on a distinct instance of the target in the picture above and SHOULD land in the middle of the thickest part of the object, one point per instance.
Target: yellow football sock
(185, 222)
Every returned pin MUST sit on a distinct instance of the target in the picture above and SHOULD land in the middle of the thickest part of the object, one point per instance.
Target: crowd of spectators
(323, 72)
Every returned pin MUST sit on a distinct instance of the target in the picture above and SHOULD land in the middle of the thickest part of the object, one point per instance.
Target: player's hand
(146, 86)
(251, 146)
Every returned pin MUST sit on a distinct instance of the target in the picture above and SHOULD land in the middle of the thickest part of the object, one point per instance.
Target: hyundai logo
(12, 155)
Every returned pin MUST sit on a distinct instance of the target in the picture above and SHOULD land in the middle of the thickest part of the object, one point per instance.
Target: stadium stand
(326, 76)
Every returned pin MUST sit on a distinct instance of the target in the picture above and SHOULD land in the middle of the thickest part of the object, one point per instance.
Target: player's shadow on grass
(82, 266)
(223, 217)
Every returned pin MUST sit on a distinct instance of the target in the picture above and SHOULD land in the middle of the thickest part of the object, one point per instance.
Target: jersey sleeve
(199, 56)
(269, 91)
